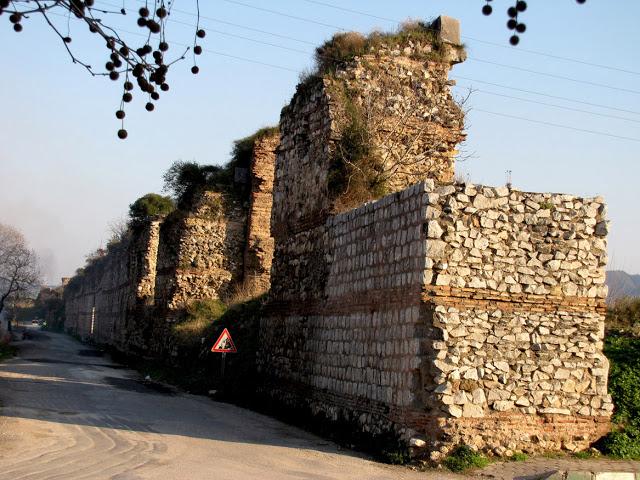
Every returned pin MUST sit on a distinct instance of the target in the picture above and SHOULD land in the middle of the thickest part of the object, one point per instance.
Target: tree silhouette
(146, 65)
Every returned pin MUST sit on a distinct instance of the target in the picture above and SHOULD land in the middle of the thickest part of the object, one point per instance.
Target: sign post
(224, 345)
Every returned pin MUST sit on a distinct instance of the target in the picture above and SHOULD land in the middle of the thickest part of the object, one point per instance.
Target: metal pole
(224, 355)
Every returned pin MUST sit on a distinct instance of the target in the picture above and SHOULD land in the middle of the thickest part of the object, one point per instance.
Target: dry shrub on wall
(344, 47)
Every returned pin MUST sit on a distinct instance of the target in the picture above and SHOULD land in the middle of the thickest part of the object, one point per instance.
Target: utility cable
(557, 125)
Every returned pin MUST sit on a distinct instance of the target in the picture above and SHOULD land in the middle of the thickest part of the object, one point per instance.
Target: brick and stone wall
(451, 313)
(446, 313)
(258, 252)
(201, 251)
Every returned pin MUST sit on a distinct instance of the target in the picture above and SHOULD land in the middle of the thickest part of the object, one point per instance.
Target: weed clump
(463, 458)
(344, 47)
(201, 314)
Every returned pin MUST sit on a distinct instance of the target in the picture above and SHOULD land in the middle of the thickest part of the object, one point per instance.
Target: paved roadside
(69, 413)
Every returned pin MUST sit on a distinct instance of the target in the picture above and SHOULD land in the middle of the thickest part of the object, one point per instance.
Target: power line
(548, 95)
(551, 75)
(249, 39)
(276, 12)
(225, 22)
(552, 105)
(550, 55)
(466, 78)
(557, 125)
(280, 67)
(215, 52)
(519, 49)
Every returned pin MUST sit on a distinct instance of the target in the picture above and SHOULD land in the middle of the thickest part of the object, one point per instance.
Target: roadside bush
(624, 386)
(6, 350)
(463, 458)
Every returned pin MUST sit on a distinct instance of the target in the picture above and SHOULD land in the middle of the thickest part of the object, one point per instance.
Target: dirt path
(69, 413)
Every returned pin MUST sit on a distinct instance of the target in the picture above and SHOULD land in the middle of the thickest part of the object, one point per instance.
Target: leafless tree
(126, 62)
(18, 265)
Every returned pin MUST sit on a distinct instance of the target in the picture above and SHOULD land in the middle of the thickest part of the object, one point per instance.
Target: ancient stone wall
(201, 251)
(409, 121)
(451, 314)
(100, 301)
(135, 293)
(446, 313)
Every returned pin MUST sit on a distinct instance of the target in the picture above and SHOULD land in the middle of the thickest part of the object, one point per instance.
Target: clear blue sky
(64, 174)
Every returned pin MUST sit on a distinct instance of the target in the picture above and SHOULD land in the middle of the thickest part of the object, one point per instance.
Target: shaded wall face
(350, 343)
(258, 253)
(300, 196)
(101, 302)
(201, 252)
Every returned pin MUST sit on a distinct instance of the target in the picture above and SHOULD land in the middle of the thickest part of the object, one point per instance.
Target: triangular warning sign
(224, 344)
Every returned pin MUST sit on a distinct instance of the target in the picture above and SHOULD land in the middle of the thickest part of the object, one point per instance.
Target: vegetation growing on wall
(200, 316)
(186, 180)
(149, 206)
(355, 173)
(344, 47)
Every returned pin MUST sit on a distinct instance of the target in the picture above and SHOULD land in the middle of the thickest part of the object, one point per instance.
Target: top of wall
(376, 117)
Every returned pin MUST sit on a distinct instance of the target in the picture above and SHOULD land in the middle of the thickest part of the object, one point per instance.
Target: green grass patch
(201, 315)
(518, 457)
(624, 386)
(395, 457)
(463, 458)
(585, 455)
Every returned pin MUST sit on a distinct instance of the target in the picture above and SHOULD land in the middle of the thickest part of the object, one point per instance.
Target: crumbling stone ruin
(401, 303)
(130, 297)
(443, 313)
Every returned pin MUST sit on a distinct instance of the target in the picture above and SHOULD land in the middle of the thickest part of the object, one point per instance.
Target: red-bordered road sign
(224, 344)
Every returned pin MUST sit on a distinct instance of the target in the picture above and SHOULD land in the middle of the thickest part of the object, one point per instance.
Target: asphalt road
(67, 412)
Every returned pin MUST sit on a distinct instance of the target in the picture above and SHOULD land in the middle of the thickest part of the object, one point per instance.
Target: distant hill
(622, 284)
